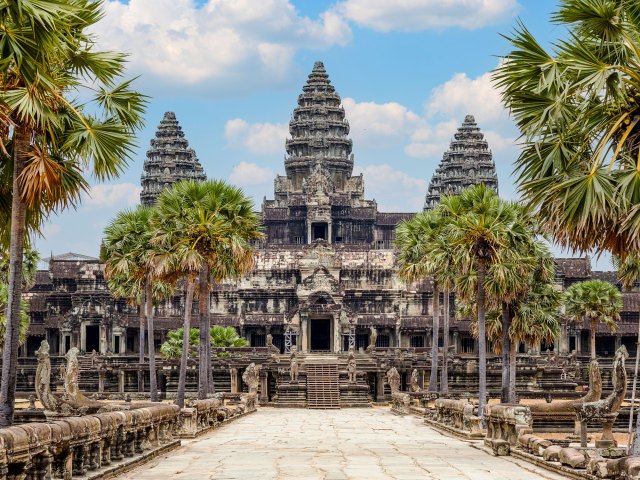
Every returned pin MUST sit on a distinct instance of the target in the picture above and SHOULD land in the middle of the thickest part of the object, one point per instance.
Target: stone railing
(77, 446)
(456, 416)
(578, 462)
(505, 422)
(204, 415)
(400, 403)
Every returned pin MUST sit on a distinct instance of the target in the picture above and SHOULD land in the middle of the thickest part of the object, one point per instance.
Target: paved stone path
(358, 444)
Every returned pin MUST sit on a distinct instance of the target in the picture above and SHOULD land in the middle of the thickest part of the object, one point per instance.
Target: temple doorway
(320, 335)
(92, 338)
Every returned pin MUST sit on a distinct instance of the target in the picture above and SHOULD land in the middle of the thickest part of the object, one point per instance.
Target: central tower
(319, 131)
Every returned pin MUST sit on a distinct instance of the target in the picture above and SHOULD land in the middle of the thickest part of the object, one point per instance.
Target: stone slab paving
(358, 444)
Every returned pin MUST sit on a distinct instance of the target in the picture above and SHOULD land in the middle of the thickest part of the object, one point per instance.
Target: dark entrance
(320, 335)
(92, 338)
(320, 231)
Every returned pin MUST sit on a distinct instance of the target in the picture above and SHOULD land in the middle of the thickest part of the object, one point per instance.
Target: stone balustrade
(77, 446)
(505, 423)
(578, 462)
(456, 416)
(400, 403)
(204, 415)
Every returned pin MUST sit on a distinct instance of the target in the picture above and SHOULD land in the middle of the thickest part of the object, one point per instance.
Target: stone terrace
(358, 444)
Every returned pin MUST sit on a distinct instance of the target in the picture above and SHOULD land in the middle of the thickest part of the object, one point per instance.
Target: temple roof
(468, 162)
(169, 160)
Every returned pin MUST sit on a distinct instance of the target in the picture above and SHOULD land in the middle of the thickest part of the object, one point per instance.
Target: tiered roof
(169, 160)
(319, 132)
(468, 162)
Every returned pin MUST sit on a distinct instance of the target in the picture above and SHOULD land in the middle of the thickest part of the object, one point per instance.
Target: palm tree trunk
(188, 307)
(141, 320)
(444, 372)
(506, 345)
(153, 375)
(205, 326)
(593, 339)
(433, 377)
(513, 355)
(16, 251)
(482, 341)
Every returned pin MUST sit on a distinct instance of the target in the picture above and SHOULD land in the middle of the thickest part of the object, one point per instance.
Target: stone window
(382, 341)
(417, 341)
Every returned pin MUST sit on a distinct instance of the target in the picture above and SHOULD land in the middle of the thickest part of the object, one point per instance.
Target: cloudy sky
(408, 72)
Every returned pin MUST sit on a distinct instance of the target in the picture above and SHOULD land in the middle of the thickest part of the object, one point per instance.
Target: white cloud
(416, 15)
(51, 230)
(247, 174)
(121, 194)
(222, 44)
(394, 190)
(257, 138)
(375, 124)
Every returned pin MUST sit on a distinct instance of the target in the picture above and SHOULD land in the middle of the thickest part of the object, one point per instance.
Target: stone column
(264, 386)
(121, 381)
(103, 339)
(233, 372)
(123, 343)
(308, 232)
(380, 378)
(83, 339)
(337, 335)
(101, 375)
(304, 334)
(456, 343)
(329, 232)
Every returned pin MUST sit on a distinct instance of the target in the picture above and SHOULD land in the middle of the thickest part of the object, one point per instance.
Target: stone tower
(319, 134)
(468, 162)
(169, 160)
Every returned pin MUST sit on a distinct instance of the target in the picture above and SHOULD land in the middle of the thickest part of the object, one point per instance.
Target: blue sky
(232, 71)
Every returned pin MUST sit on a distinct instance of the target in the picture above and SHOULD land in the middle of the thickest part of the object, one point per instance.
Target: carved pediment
(321, 280)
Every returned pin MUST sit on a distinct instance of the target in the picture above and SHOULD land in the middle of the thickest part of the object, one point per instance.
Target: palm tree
(172, 347)
(414, 239)
(596, 301)
(480, 229)
(128, 255)
(24, 317)
(49, 139)
(226, 337)
(578, 111)
(206, 229)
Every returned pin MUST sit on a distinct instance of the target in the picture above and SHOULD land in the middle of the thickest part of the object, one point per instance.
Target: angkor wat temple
(326, 272)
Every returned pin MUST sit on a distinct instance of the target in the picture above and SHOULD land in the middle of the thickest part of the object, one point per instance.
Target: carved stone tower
(319, 134)
(169, 160)
(468, 162)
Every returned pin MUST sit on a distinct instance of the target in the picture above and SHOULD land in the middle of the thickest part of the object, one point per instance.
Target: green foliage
(29, 266)
(24, 316)
(220, 337)
(595, 300)
(578, 109)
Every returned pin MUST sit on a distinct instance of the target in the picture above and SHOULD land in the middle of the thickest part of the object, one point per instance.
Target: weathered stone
(552, 453)
(572, 457)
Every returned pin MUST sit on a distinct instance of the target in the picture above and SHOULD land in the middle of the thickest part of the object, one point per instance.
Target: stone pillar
(329, 232)
(308, 232)
(304, 335)
(123, 343)
(380, 378)
(264, 386)
(103, 339)
(83, 337)
(121, 381)
(233, 372)
(564, 339)
(101, 375)
(337, 335)
(456, 343)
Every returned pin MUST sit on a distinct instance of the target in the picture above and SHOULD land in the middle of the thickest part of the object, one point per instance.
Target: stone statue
(373, 338)
(43, 378)
(250, 378)
(415, 385)
(293, 369)
(606, 410)
(351, 366)
(71, 390)
(271, 347)
(393, 379)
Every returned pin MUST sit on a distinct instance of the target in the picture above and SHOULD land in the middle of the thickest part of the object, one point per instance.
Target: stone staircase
(323, 390)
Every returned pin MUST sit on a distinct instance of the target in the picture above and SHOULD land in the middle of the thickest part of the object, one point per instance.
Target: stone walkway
(359, 444)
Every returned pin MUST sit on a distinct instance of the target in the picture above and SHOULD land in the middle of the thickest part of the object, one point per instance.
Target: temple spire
(468, 162)
(319, 134)
(169, 160)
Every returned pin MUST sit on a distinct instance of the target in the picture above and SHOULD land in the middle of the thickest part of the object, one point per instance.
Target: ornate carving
(393, 379)
(294, 367)
(251, 378)
(415, 385)
(352, 366)
(43, 378)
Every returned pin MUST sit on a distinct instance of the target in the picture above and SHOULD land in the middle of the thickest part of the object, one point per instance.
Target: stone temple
(325, 278)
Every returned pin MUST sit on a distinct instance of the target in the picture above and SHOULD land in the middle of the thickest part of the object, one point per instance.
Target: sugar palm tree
(213, 224)
(128, 255)
(206, 229)
(577, 106)
(596, 301)
(414, 238)
(24, 317)
(47, 138)
(480, 228)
